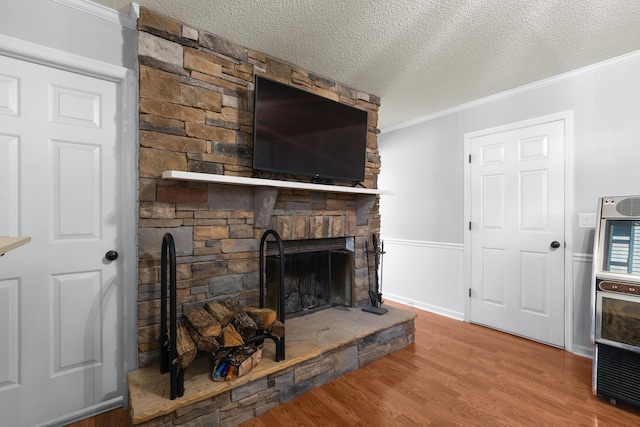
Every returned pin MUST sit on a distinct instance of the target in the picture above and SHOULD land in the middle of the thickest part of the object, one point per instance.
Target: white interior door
(60, 309)
(517, 212)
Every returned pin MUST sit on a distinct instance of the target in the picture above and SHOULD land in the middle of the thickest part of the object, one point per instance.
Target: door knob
(555, 244)
(111, 255)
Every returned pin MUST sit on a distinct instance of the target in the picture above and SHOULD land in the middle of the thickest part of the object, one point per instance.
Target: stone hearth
(320, 346)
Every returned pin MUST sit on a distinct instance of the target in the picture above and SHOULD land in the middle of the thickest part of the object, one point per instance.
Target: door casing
(567, 117)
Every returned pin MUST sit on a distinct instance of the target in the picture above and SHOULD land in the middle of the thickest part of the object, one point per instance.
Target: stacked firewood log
(221, 328)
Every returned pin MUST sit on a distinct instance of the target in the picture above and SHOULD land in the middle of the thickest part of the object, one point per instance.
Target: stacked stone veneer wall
(196, 115)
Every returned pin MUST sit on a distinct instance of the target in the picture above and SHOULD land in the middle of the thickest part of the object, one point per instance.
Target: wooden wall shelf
(10, 243)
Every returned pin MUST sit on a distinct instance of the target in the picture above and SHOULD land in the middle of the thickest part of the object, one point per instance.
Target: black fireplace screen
(315, 278)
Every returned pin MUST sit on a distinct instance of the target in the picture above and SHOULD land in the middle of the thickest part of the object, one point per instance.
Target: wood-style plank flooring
(455, 374)
(114, 418)
(458, 374)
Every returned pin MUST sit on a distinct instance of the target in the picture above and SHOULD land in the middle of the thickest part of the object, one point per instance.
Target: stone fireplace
(196, 116)
(196, 127)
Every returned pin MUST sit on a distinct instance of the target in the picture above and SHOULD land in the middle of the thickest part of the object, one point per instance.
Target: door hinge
(469, 292)
(469, 158)
(469, 225)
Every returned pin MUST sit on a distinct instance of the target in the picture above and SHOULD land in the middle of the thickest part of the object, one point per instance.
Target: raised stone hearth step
(320, 347)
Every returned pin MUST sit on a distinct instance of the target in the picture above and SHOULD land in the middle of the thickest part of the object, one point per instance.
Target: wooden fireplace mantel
(260, 182)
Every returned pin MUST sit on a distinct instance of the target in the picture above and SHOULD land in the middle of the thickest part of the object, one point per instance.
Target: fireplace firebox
(319, 273)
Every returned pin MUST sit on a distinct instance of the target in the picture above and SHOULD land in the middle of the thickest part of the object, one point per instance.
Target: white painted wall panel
(533, 148)
(494, 274)
(533, 202)
(76, 313)
(9, 333)
(10, 185)
(9, 95)
(534, 281)
(77, 192)
(493, 154)
(582, 267)
(75, 107)
(424, 274)
(493, 200)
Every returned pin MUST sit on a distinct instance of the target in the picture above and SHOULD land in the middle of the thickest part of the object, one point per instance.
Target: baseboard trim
(424, 306)
(584, 351)
(91, 411)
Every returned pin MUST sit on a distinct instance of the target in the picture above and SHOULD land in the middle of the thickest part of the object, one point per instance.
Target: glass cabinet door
(619, 319)
(622, 247)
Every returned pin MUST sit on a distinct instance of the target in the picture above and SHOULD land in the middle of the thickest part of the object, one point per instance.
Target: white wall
(424, 165)
(424, 275)
(72, 26)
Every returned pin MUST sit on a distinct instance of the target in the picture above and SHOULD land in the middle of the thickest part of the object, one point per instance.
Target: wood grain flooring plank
(455, 374)
(461, 374)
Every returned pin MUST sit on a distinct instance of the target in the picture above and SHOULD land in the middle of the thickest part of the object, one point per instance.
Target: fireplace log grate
(169, 348)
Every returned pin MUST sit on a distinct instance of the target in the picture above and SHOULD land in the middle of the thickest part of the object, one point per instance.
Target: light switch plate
(587, 220)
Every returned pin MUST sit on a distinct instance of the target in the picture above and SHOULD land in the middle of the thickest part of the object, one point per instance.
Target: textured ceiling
(420, 56)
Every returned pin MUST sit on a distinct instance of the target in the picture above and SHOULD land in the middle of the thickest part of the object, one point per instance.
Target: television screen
(301, 133)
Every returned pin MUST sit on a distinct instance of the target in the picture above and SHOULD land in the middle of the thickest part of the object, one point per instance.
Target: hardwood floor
(455, 374)
(458, 374)
(114, 418)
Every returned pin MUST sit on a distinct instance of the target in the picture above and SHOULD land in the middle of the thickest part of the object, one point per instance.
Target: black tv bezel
(316, 177)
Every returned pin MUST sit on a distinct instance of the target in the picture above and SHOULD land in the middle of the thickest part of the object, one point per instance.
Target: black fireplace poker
(375, 296)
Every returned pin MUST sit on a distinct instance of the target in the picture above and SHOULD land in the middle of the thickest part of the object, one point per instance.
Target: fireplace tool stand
(279, 342)
(375, 296)
(169, 351)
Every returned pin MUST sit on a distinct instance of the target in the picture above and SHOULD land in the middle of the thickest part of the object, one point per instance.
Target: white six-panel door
(517, 212)
(59, 296)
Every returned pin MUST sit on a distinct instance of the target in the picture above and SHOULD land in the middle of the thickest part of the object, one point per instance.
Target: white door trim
(567, 117)
(127, 80)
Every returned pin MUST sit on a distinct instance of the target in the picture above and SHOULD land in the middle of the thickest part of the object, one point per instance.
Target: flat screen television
(300, 133)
